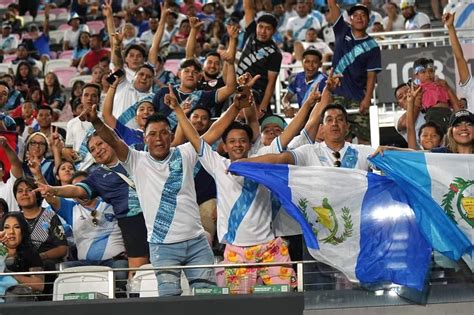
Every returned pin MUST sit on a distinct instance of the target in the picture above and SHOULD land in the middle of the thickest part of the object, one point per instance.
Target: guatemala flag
(361, 222)
(446, 178)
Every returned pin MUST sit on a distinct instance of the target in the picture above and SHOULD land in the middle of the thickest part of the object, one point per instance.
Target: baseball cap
(6, 25)
(190, 62)
(407, 3)
(358, 6)
(461, 115)
(273, 119)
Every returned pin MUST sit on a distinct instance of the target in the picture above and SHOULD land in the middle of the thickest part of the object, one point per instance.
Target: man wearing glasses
(334, 151)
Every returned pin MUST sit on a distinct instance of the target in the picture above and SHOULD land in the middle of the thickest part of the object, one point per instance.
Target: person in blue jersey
(110, 181)
(357, 57)
(164, 179)
(301, 83)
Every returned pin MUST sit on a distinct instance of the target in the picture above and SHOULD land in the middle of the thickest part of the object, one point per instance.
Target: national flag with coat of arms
(447, 178)
(360, 223)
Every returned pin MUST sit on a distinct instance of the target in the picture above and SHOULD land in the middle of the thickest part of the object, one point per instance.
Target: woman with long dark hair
(21, 256)
(52, 92)
(24, 78)
(83, 46)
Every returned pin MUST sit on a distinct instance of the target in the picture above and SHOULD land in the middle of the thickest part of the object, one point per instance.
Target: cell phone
(244, 93)
(116, 74)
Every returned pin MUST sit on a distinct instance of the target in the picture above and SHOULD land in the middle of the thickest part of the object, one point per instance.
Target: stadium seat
(65, 74)
(88, 279)
(286, 58)
(27, 18)
(172, 65)
(58, 11)
(95, 26)
(40, 18)
(56, 37)
(55, 64)
(64, 27)
(63, 16)
(4, 3)
(66, 54)
(86, 78)
(5, 68)
(9, 58)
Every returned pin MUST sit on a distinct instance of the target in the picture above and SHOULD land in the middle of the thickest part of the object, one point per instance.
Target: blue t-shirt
(207, 99)
(42, 45)
(299, 86)
(353, 58)
(113, 190)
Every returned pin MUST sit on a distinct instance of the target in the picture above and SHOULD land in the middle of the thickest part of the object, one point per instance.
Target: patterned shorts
(359, 123)
(274, 251)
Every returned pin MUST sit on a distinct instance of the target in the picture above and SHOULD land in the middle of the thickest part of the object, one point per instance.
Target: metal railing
(438, 276)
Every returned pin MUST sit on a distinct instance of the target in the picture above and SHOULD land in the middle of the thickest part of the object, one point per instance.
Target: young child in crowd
(438, 99)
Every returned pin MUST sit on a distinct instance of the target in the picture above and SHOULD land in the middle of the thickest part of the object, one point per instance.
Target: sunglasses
(337, 156)
(95, 221)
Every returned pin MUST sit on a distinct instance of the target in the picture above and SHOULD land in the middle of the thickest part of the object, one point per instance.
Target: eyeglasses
(337, 156)
(95, 221)
(37, 143)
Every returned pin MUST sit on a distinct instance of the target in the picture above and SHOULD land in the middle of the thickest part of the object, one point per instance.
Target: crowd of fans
(139, 173)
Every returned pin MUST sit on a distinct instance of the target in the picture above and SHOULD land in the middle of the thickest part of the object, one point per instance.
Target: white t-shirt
(166, 192)
(73, 36)
(248, 210)
(125, 96)
(147, 38)
(6, 192)
(9, 42)
(417, 22)
(351, 155)
(76, 132)
(299, 26)
(420, 120)
(397, 25)
(100, 242)
(319, 45)
(467, 90)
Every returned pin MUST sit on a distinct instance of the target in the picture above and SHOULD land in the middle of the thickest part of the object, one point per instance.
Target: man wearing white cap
(414, 20)
(8, 42)
(71, 36)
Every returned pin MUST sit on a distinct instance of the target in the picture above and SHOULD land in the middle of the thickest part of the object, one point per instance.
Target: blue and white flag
(362, 222)
(446, 181)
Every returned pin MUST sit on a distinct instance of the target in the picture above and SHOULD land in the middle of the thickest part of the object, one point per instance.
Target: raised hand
(314, 96)
(233, 30)
(170, 99)
(117, 38)
(333, 81)
(413, 93)
(34, 164)
(448, 19)
(107, 8)
(195, 22)
(89, 114)
(45, 190)
(247, 79)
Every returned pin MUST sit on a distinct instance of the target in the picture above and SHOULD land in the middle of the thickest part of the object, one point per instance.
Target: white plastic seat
(5, 68)
(56, 64)
(87, 279)
(65, 75)
(86, 78)
(66, 54)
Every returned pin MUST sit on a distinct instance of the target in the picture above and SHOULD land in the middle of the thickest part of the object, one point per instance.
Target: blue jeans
(191, 252)
(120, 276)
